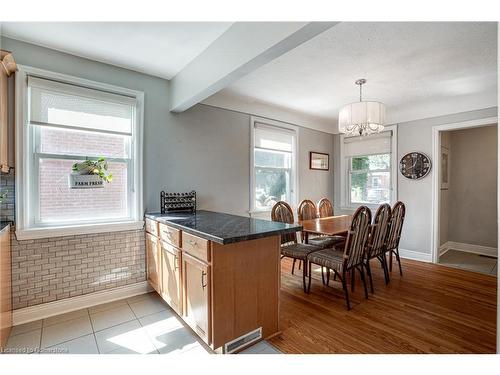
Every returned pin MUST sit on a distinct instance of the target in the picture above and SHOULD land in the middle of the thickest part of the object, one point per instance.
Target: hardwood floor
(430, 309)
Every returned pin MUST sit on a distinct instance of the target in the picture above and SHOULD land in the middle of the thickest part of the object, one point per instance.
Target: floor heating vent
(248, 338)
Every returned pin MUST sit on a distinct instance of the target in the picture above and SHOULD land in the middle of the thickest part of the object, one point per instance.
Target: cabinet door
(196, 282)
(170, 276)
(153, 261)
(5, 287)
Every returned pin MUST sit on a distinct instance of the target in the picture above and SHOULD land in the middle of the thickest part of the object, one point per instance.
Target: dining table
(330, 225)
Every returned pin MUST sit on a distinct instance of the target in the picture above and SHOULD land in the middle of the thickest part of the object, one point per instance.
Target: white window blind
(273, 137)
(58, 104)
(370, 145)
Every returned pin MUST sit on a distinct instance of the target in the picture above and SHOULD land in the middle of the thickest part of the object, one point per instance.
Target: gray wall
(417, 195)
(473, 186)
(204, 148)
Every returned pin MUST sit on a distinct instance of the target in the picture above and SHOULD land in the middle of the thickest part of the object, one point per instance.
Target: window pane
(274, 159)
(371, 162)
(271, 185)
(76, 142)
(370, 187)
(59, 203)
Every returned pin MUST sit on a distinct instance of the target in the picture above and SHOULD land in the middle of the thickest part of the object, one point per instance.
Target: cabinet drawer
(170, 235)
(196, 246)
(152, 227)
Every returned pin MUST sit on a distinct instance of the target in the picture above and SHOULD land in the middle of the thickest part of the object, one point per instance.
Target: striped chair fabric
(394, 234)
(352, 258)
(377, 241)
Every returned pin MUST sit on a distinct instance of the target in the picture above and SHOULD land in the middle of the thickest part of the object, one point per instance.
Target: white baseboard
(45, 310)
(415, 255)
(468, 248)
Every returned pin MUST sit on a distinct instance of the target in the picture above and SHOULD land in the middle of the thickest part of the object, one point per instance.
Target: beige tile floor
(142, 324)
(468, 261)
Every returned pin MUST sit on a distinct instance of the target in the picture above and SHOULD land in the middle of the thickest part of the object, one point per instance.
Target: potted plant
(3, 196)
(90, 174)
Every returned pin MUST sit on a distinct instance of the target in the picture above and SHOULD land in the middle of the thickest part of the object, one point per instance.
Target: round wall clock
(415, 165)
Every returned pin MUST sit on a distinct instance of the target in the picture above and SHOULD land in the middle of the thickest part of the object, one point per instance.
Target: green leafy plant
(94, 167)
(3, 196)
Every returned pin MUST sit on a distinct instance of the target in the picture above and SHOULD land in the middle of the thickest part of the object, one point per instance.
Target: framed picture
(445, 168)
(319, 161)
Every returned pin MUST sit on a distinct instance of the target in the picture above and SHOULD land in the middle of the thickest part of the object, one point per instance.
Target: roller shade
(59, 104)
(370, 145)
(273, 137)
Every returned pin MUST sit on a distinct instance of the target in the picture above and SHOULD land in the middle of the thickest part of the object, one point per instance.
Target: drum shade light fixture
(362, 118)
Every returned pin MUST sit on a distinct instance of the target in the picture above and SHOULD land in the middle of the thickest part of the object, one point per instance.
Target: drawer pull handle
(176, 262)
(192, 242)
(203, 274)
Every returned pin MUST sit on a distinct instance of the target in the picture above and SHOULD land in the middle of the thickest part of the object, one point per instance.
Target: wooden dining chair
(351, 258)
(290, 248)
(306, 211)
(375, 249)
(325, 208)
(394, 233)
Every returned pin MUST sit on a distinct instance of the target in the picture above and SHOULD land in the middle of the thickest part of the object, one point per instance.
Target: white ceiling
(158, 48)
(418, 70)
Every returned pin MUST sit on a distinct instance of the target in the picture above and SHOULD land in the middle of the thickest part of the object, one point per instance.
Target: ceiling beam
(244, 47)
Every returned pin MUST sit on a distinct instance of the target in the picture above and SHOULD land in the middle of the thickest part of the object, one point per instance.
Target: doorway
(465, 188)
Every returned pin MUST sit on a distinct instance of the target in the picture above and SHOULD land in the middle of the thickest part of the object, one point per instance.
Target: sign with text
(85, 181)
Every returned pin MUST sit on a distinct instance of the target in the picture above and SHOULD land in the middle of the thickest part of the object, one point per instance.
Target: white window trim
(344, 183)
(295, 166)
(23, 231)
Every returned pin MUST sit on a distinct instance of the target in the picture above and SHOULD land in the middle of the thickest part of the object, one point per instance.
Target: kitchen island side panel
(245, 288)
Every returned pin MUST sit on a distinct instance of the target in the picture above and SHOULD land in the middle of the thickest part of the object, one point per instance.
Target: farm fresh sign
(86, 181)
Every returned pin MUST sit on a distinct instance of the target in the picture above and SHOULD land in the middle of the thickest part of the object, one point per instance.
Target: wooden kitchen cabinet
(5, 286)
(228, 293)
(170, 289)
(7, 68)
(196, 286)
(153, 267)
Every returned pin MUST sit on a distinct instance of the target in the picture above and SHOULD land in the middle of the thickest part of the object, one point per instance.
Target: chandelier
(362, 118)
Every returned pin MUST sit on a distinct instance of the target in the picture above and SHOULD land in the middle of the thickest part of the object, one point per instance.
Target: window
(67, 120)
(273, 165)
(368, 169)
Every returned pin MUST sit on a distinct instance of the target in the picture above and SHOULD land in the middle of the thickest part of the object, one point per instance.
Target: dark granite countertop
(223, 228)
(4, 223)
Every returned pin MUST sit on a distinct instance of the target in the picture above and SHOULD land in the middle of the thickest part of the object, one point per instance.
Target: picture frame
(445, 168)
(319, 161)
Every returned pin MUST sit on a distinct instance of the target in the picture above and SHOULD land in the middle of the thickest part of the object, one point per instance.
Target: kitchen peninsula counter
(221, 273)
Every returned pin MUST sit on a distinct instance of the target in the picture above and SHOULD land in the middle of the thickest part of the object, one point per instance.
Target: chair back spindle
(283, 213)
(395, 226)
(325, 208)
(306, 210)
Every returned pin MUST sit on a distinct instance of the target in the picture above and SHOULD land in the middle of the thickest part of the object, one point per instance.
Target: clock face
(415, 165)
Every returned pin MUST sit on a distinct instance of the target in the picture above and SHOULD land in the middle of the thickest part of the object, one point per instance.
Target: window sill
(371, 206)
(37, 233)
